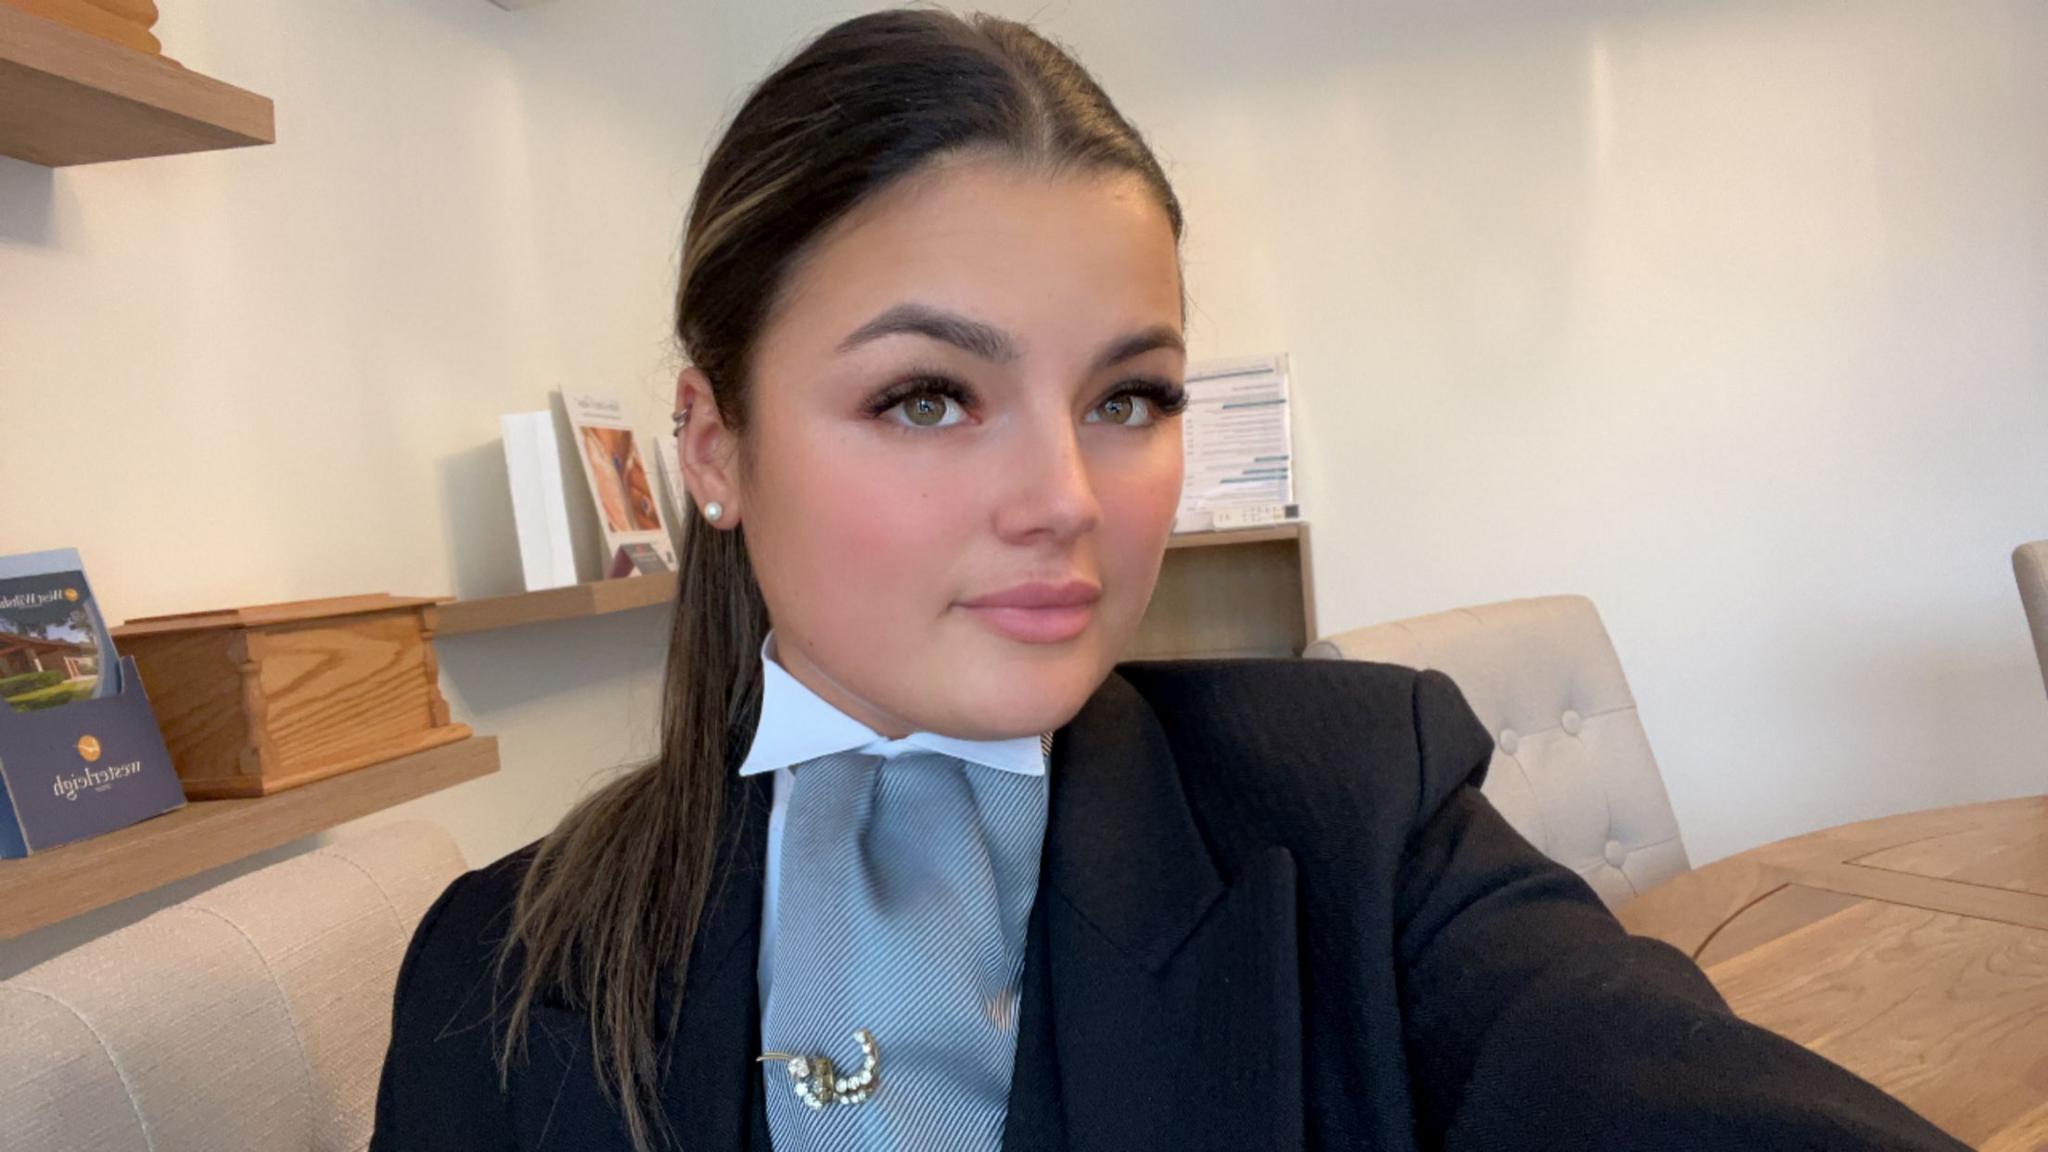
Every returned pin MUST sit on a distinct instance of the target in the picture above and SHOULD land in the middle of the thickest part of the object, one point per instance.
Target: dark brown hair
(610, 905)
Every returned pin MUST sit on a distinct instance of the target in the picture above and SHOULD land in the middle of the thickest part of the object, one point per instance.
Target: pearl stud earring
(713, 511)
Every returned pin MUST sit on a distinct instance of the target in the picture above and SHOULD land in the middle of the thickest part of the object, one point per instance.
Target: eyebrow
(989, 342)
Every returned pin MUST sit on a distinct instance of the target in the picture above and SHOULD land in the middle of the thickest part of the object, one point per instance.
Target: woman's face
(956, 399)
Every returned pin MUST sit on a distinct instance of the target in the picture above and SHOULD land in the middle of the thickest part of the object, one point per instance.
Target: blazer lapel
(1161, 998)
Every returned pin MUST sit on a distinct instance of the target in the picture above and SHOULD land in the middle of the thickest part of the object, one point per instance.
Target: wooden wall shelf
(1262, 585)
(597, 598)
(1294, 531)
(42, 889)
(68, 97)
(1237, 593)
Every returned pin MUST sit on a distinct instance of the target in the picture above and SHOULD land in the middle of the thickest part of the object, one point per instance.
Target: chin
(1037, 689)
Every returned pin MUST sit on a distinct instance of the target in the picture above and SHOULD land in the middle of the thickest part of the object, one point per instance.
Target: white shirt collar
(798, 725)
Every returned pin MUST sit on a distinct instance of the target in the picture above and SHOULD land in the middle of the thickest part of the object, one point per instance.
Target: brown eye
(922, 404)
(1125, 409)
(926, 410)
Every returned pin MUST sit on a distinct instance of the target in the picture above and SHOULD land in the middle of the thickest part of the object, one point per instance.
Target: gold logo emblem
(89, 748)
(71, 594)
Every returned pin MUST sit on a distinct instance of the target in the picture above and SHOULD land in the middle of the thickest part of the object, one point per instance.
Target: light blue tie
(906, 885)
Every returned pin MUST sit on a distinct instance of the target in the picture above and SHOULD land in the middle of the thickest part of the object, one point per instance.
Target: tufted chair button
(1509, 741)
(1572, 722)
(1615, 853)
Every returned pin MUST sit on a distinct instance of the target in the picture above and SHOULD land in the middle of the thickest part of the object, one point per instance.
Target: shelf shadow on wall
(494, 677)
(27, 203)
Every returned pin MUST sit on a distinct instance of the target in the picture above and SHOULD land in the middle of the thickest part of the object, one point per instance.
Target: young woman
(932, 299)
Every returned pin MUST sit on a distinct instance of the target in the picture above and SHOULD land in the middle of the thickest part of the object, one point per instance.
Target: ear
(705, 448)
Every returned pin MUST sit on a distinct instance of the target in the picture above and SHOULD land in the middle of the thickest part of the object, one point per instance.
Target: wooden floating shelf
(1263, 535)
(597, 598)
(602, 597)
(69, 97)
(1231, 594)
(39, 890)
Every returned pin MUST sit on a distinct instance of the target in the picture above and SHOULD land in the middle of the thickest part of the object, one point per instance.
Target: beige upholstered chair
(1572, 768)
(254, 1015)
(2030, 567)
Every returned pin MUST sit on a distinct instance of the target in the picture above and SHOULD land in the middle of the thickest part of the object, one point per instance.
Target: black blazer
(1274, 912)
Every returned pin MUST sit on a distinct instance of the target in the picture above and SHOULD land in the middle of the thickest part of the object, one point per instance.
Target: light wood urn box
(256, 700)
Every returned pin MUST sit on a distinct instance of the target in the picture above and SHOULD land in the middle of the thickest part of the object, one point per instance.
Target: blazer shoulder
(471, 915)
(1321, 724)
(439, 1087)
(443, 982)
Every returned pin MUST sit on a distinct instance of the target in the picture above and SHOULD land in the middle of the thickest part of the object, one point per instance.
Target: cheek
(1138, 517)
(1151, 486)
(842, 523)
(891, 530)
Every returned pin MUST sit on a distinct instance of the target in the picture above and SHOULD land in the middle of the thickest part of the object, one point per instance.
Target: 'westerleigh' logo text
(92, 779)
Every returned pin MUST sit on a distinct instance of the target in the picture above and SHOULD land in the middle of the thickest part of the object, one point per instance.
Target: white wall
(1732, 316)
(276, 373)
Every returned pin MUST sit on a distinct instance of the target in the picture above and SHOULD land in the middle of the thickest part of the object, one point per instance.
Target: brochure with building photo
(80, 749)
(621, 483)
(53, 643)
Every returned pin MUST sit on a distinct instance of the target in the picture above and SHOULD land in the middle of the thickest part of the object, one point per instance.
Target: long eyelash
(920, 385)
(1166, 397)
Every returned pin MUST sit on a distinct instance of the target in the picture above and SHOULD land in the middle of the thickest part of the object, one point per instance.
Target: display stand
(83, 768)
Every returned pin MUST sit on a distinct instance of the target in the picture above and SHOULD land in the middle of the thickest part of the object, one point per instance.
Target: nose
(1053, 493)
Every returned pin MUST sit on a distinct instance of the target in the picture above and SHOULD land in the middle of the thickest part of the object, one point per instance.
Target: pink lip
(1038, 613)
(1039, 595)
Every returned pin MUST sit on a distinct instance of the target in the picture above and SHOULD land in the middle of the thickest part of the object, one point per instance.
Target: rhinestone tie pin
(815, 1079)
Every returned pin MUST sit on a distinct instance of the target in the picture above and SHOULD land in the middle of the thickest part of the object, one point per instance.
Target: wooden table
(1912, 950)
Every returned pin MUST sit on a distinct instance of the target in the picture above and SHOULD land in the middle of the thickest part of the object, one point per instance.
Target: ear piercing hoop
(714, 510)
